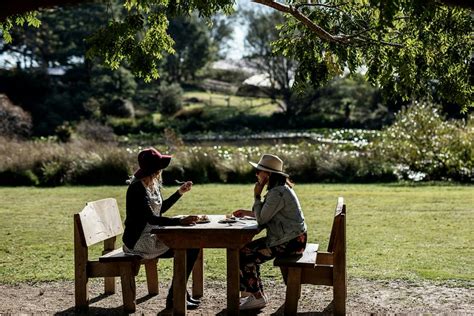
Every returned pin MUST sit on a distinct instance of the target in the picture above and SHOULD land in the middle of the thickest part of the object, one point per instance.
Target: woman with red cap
(144, 209)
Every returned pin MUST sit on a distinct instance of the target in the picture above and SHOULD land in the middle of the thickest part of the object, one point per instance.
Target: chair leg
(293, 291)
(151, 268)
(339, 294)
(128, 286)
(81, 294)
(109, 285)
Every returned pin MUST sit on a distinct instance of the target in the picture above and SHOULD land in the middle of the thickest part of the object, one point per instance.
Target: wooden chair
(319, 268)
(100, 221)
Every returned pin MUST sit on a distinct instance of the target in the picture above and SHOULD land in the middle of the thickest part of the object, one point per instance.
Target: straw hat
(150, 161)
(270, 163)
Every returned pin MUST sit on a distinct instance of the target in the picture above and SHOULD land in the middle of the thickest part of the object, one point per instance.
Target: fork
(179, 182)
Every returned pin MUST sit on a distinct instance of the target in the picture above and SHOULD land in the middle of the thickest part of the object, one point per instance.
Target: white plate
(227, 220)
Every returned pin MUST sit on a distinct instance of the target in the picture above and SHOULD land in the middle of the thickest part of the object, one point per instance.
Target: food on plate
(203, 219)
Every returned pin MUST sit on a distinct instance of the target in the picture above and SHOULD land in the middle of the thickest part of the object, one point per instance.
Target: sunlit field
(393, 231)
(230, 103)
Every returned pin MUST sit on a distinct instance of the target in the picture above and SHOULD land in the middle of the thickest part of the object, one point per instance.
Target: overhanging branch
(319, 31)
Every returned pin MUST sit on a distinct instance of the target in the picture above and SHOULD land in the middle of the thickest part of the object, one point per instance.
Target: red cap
(150, 161)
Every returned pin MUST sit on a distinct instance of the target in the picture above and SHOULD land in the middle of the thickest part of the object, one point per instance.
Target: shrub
(109, 169)
(344, 102)
(202, 167)
(122, 126)
(170, 98)
(94, 130)
(329, 163)
(92, 107)
(15, 177)
(238, 170)
(125, 126)
(14, 121)
(54, 173)
(119, 107)
(64, 132)
(427, 147)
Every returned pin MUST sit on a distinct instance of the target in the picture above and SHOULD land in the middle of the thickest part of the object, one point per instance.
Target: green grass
(215, 103)
(393, 231)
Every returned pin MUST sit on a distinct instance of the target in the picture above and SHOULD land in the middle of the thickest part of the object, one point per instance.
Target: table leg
(198, 276)
(233, 282)
(179, 282)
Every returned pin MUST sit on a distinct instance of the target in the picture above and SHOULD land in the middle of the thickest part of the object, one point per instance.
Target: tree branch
(299, 5)
(319, 31)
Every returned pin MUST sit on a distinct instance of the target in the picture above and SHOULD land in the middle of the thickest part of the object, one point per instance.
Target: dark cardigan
(139, 213)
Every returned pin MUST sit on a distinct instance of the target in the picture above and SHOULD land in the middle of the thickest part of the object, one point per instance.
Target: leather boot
(189, 305)
(191, 299)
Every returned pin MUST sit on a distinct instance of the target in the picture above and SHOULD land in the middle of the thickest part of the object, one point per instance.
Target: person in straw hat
(144, 211)
(280, 213)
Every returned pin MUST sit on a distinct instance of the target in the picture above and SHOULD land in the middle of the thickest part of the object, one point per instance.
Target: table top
(216, 222)
(215, 234)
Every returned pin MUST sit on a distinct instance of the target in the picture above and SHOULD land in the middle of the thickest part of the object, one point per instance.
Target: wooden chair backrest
(100, 220)
(338, 229)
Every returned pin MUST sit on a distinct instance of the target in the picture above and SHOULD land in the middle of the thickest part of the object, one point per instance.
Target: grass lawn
(394, 231)
(226, 104)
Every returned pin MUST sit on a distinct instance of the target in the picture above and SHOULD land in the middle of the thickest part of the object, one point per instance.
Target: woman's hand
(257, 190)
(262, 180)
(189, 220)
(242, 213)
(185, 187)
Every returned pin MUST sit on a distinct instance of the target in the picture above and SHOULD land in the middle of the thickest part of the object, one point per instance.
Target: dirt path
(363, 297)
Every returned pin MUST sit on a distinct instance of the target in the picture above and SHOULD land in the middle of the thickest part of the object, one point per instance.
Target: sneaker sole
(252, 308)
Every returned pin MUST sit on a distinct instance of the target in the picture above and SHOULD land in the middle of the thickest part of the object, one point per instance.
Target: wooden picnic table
(231, 236)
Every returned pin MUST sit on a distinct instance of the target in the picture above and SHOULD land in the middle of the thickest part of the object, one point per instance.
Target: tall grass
(344, 158)
(49, 163)
(85, 162)
(393, 231)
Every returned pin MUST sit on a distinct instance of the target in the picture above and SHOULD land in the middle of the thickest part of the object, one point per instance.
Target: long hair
(151, 180)
(157, 178)
(277, 179)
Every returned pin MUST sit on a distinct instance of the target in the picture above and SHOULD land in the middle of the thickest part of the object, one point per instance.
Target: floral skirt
(257, 252)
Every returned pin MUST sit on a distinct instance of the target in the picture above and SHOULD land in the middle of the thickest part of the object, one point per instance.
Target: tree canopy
(408, 47)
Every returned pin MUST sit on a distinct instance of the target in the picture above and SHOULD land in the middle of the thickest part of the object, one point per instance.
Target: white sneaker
(244, 295)
(251, 302)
